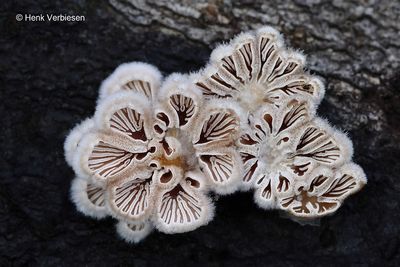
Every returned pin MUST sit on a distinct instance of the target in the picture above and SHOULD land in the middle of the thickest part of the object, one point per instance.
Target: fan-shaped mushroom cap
(135, 76)
(256, 69)
(89, 198)
(74, 137)
(134, 232)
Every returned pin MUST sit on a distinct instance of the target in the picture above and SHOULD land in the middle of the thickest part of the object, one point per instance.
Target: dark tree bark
(50, 74)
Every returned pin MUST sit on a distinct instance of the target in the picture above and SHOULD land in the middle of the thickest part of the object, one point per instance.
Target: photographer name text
(49, 17)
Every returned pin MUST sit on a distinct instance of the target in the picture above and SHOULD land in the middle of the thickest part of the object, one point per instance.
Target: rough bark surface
(50, 74)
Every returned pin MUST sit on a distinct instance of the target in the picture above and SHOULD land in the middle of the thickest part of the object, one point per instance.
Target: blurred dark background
(49, 76)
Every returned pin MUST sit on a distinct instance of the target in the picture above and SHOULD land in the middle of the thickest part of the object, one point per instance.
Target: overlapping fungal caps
(297, 162)
(154, 149)
(294, 161)
(150, 154)
(88, 197)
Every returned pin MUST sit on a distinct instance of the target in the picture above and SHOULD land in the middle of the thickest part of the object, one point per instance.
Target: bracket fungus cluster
(156, 148)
